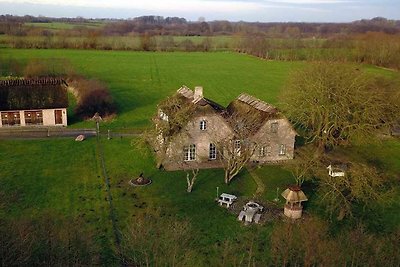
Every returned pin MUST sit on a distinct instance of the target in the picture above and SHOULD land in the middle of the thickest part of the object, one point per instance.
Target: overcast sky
(233, 10)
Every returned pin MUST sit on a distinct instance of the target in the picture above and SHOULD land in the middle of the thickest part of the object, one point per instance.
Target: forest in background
(375, 41)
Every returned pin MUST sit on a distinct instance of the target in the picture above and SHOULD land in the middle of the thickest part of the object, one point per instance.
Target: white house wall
(48, 117)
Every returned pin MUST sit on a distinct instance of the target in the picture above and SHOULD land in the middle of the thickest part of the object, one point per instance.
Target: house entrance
(58, 116)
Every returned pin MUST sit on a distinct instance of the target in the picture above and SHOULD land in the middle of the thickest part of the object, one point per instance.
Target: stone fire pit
(140, 181)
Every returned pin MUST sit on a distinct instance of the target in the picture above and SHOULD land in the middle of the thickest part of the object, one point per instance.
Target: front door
(58, 116)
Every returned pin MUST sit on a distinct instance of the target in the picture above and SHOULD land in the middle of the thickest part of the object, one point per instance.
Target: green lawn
(139, 80)
(60, 176)
(64, 177)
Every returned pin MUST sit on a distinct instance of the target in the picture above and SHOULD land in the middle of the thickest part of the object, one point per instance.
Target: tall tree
(237, 150)
(337, 104)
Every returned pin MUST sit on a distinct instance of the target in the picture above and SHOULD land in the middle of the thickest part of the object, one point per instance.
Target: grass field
(139, 80)
(64, 177)
(36, 181)
(64, 25)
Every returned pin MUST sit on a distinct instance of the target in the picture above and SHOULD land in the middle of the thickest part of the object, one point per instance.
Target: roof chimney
(198, 93)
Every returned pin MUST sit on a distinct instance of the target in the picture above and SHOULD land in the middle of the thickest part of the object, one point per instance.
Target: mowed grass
(57, 177)
(140, 80)
(60, 176)
(210, 224)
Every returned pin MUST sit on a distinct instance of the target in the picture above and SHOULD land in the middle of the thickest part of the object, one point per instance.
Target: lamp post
(97, 118)
(277, 196)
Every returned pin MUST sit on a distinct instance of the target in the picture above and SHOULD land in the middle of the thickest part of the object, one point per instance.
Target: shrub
(93, 96)
(51, 67)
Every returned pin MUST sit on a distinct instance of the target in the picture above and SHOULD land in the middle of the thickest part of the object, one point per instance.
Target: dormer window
(203, 125)
(162, 115)
(274, 127)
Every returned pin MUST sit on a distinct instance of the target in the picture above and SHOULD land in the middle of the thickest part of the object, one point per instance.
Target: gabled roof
(250, 113)
(40, 93)
(186, 92)
(256, 103)
(203, 102)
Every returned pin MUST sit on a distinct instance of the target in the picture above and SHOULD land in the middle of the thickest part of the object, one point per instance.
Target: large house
(33, 102)
(196, 144)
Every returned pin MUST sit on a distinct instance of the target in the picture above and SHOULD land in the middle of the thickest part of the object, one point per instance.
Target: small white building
(33, 102)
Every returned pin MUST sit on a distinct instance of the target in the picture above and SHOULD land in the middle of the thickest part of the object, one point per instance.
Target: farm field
(65, 25)
(62, 178)
(139, 80)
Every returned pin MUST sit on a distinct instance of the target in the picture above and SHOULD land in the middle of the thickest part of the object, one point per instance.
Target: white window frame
(262, 151)
(203, 125)
(189, 152)
(162, 115)
(237, 146)
(212, 155)
(282, 149)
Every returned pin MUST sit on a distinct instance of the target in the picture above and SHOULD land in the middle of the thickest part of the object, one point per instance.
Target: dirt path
(113, 217)
(260, 185)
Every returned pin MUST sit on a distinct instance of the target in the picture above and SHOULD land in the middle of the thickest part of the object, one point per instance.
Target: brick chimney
(198, 93)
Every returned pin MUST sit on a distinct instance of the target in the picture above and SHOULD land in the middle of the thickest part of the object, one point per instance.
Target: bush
(93, 96)
(52, 67)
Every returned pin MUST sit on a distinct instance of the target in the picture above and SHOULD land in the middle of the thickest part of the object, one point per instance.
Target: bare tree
(361, 186)
(303, 165)
(338, 104)
(234, 155)
(191, 178)
(237, 150)
(152, 239)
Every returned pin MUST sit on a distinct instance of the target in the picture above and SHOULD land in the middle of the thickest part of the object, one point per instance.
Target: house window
(189, 152)
(203, 125)
(10, 118)
(33, 117)
(162, 115)
(212, 152)
(4, 118)
(274, 127)
(237, 146)
(282, 150)
(262, 151)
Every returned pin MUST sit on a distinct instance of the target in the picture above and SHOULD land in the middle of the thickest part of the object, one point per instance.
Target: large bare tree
(237, 150)
(338, 104)
(362, 185)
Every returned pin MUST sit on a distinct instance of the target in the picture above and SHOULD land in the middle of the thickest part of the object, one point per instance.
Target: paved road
(44, 133)
(34, 133)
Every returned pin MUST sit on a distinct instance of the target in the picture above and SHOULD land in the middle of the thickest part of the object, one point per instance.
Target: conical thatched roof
(294, 194)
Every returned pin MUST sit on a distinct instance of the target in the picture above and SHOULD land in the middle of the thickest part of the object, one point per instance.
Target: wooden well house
(33, 102)
(294, 197)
